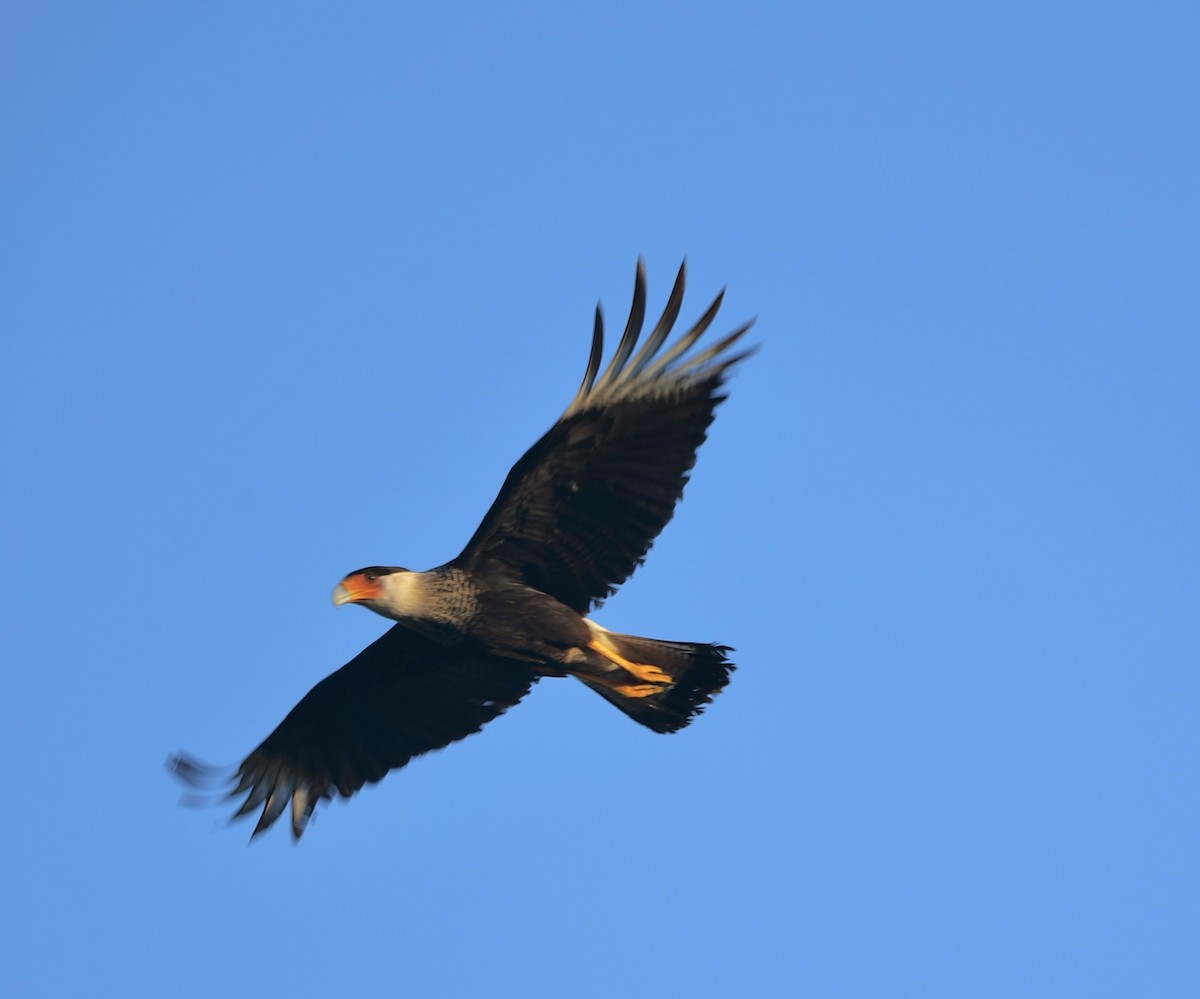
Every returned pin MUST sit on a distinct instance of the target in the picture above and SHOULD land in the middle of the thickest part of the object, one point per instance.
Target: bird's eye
(371, 577)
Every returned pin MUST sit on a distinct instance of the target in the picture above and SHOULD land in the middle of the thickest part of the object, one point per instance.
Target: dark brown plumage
(574, 518)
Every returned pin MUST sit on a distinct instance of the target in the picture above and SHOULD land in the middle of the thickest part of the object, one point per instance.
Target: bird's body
(572, 521)
(516, 622)
(452, 606)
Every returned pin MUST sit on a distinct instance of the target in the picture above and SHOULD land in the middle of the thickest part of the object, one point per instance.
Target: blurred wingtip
(203, 782)
(196, 773)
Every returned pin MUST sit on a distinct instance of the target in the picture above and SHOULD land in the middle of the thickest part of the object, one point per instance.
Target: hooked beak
(356, 588)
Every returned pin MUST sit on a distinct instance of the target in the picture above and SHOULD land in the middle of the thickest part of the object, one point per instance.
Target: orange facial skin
(356, 588)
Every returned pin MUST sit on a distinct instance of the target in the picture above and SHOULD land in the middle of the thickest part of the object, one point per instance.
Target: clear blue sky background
(286, 288)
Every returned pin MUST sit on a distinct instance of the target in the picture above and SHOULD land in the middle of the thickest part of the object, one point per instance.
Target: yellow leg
(643, 671)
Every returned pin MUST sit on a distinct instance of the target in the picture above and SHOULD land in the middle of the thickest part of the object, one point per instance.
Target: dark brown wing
(400, 697)
(579, 511)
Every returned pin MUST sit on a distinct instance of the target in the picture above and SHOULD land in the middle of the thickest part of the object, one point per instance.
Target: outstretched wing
(402, 696)
(579, 511)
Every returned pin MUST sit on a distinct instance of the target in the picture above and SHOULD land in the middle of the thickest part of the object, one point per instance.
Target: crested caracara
(574, 518)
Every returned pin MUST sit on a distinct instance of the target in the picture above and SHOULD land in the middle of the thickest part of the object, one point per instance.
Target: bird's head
(373, 587)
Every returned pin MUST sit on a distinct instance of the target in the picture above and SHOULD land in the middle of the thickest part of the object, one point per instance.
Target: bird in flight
(573, 520)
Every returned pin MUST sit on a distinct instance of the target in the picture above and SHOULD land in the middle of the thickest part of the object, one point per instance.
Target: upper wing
(402, 696)
(579, 511)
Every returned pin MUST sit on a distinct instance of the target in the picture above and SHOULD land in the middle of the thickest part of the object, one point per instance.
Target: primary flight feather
(574, 518)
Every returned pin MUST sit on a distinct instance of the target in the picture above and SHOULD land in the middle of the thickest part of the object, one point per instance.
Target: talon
(649, 673)
(638, 689)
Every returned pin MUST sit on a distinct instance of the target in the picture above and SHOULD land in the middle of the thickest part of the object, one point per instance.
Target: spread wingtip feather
(625, 377)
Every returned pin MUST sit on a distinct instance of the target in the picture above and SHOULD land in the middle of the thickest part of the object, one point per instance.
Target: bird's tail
(662, 685)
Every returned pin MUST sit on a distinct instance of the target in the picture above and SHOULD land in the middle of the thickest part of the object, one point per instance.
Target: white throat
(404, 595)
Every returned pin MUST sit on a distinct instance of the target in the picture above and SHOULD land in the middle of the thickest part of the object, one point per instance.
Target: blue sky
(286, 289)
